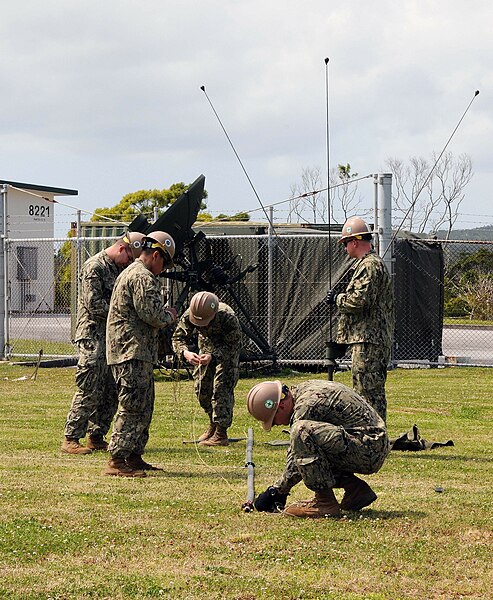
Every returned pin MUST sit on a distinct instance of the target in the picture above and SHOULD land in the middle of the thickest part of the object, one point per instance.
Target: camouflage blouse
(137, 312)
(334, 403)
(97, 278)
(367, 306)
(221, 338)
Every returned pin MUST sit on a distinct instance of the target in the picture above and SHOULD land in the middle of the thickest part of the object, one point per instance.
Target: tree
(205, 217)
(344, 192)
(478, 296)
(63, 275)
(308, 199)
(241, 216)
(468, 286)
(440, 194)
(143, 202)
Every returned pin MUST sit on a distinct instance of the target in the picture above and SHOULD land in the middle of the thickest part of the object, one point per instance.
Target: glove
(331, 297)
(270, 501)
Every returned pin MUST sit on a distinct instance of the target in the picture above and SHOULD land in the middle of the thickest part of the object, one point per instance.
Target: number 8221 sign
(39, 211)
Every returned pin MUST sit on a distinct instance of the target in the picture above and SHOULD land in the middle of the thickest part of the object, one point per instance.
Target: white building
(27, 215)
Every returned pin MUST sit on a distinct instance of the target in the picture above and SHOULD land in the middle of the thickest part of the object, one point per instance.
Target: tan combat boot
(219, 438)
(209, 432)
(136, 462)
(119, 468)
(97, 442)
(72, 446)
(357, 493)
(324, 504)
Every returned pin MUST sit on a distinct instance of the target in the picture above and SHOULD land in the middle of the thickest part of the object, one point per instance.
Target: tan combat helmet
(162, 241)
(134, 241)
(203, 308)
(354, 229)
(263, 400)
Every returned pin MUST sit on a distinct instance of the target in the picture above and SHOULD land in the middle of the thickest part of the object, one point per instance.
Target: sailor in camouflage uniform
(217, 363)
(334, 434)
(366, 311)
(137, 313)
(95, 401)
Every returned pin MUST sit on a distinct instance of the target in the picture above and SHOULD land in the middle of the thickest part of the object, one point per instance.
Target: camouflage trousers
(369, 370)
(135, 384)
(324, 452)
(95, 402)
(214, 386)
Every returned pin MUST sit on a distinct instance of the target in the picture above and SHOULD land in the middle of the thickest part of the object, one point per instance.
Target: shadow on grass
(384, 515)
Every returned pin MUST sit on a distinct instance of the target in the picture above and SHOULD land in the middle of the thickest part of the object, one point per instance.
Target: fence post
(76, 268)
(270, 274)
(375, 212)
(3, 271)
(79, 249)
(384, 219)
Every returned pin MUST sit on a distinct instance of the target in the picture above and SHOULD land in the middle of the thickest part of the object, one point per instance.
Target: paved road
(53, 328)
(475, 344)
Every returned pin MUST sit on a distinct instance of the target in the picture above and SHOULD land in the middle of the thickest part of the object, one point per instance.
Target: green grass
(466, 321)
(66, 531)
(32, 347)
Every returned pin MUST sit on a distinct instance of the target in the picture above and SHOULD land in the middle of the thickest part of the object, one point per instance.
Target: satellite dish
(181, 215)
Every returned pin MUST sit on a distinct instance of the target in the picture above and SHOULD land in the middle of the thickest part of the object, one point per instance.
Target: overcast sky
(104, 96)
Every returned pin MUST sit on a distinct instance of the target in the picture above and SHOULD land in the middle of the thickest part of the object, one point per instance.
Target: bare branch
(438, 203)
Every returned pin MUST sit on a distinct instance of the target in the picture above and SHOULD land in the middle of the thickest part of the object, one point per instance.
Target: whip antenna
(329, 204)
(428, 177)
(333, 349)
(202, 87)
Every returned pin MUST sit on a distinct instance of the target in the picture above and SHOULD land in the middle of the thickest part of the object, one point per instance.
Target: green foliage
(468, 286)
(456, 307)
(204, 217)
(484, 233)
(241, 216)
(344, 172)
(63, 275)
(468, 266)
(144, 202)
(207, 217)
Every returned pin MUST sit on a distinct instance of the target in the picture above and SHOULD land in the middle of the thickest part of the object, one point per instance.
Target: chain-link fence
(277, 285)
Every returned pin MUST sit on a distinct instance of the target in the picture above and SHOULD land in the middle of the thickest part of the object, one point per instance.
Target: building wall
(31, 268)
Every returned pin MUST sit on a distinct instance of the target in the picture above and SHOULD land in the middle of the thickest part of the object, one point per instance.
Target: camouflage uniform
(214, 383)
(95, 401)
(366, 323)
(137, 312)
(334, 432)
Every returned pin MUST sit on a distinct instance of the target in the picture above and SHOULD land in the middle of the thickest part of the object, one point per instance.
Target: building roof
(261, 228)
(41, 188)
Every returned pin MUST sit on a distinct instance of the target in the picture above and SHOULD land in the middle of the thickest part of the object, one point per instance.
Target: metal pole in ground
(248, 505)
(5, 349)
(270, 275)
(3, 278)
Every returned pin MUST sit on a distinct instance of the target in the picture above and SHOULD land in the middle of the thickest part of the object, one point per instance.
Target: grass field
(466, 322)
(68, 532)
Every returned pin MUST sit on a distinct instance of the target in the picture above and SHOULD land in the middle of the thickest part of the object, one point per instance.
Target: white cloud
(105, 96)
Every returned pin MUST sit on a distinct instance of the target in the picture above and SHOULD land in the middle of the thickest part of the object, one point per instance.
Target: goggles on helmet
(135, 244)
(155, 245)
(354, 237)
